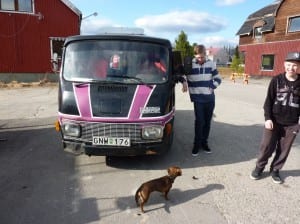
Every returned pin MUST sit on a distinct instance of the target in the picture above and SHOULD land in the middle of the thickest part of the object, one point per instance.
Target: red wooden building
(268, 35)
(32, 33)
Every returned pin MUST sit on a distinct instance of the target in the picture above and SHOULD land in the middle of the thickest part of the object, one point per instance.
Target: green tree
(183, 45)
(237, 52)
(237, 62)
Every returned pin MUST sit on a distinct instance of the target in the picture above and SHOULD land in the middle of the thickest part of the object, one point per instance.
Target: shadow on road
(38, 181)
(176, 197)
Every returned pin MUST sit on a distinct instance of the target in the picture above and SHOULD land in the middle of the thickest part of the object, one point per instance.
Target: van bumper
(78, 148)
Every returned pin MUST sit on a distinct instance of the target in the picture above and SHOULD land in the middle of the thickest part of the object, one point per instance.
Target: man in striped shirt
(202, 82)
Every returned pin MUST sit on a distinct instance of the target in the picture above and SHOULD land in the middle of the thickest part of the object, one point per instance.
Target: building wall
(289, 8)
(278, 42)
(254, 52)
(24, 37)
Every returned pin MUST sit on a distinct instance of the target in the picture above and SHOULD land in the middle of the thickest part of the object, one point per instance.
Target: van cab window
(115, 60)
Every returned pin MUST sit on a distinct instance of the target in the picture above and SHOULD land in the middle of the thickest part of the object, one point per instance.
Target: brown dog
(162, 185)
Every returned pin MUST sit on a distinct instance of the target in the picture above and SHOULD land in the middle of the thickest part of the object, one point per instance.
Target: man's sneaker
(276, 177)
(206, 149)
(195, 151)
(256, 173)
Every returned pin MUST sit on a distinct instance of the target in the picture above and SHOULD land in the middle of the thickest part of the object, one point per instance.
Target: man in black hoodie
(281, 111)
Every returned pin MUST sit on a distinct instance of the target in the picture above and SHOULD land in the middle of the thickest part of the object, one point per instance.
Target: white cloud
(188, 21)
(91, 26)
(229, 2)
(196, 25)
(217, 41)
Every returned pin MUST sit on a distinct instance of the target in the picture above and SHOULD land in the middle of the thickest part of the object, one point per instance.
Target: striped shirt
(202, 81)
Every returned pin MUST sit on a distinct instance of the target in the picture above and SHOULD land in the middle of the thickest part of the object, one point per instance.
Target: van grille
(112, 89)
(132, 131)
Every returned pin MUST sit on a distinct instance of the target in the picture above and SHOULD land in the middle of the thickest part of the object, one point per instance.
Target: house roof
(266, 15)
(72, 7)
(212, 50)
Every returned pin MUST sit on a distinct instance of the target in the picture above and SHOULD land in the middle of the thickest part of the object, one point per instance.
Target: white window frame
(289, 22)
(262, 60)
(14, 7)
(257, 34)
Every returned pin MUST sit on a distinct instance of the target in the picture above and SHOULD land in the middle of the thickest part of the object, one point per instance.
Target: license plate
(111, 141)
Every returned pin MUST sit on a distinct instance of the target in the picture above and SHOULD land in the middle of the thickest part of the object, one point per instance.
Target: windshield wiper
(138, 80)
(80, 84)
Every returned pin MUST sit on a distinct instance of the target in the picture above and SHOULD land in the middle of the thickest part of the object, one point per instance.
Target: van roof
(124, 37)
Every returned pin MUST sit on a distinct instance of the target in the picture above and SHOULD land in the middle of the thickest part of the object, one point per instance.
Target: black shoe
(256, 173)
(195, 151)
(206, 149)
(276, 177)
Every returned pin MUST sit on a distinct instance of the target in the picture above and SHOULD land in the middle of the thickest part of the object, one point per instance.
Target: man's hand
(269, 124)
(184, 86)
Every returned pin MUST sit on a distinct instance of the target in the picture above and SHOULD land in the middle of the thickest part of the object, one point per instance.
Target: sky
(213, 23)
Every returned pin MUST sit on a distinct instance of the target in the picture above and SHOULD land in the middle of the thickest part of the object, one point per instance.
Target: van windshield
(116, 61)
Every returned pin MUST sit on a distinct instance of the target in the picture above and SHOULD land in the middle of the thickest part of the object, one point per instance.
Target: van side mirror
(188, 65)
(177, 63)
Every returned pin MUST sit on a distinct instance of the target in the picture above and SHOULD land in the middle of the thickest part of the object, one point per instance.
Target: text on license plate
(112, 141)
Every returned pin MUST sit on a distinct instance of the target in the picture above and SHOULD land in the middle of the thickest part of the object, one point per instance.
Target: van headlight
(72, 129)
(152, 132)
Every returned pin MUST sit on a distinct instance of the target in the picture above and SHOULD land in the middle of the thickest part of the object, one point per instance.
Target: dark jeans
(280, 139)
(203, 116)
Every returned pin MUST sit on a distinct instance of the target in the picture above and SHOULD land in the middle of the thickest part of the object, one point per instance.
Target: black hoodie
(282, 104)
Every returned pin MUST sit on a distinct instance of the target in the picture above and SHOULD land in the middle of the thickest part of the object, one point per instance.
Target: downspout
(80, 20)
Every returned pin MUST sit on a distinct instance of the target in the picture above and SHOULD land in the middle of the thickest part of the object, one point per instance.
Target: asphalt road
(39, 183)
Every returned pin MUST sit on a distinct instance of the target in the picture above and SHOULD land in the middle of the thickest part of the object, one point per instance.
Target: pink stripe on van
(82, 97)
(140, 100)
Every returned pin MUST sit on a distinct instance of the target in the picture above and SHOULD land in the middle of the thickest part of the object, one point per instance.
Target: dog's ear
(169, 170)
(179, 172)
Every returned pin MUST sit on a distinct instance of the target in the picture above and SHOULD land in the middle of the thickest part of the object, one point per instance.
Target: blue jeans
(203, 116)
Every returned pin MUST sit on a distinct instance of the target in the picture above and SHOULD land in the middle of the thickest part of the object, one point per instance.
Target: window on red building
(294, 24)
(16, 5)
(257, 33)
(267, 62)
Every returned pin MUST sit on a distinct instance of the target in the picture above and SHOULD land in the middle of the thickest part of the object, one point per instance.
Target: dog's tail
(138, 196)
